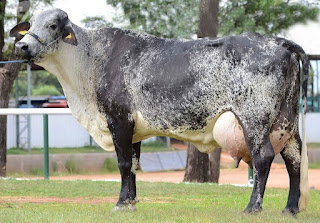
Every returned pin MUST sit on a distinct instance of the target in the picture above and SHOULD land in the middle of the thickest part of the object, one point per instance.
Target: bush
(55, 166)
(72, 166)
(110, 165)
(156, 143)
(48, 90)
(36, 172)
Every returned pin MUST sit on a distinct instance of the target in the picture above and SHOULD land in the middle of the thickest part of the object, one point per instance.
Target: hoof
(291, 211)
(124, 208)
(252, 210)
(128, 206)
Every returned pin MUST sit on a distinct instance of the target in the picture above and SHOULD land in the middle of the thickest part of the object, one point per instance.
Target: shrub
(54, 166)
(110, 165)
(36, 172)
(72, 166)
(156, 143)
(46, 90)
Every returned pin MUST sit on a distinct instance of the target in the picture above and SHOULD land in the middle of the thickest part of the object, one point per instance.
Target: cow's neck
(70, 64)
(76, 68)
(73, 67)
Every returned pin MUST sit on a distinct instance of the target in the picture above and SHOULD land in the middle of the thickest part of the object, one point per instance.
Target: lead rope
(47, 47)
(14, 61)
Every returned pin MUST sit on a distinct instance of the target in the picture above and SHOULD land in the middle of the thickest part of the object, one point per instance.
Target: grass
(146, 147)
(313, 145)
(155, 146)
(315, 165)
(86, 149)
(160, 202)
(110, 165)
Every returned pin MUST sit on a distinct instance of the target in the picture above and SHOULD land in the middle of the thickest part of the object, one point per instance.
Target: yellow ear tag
(69, 36)
(23, 32)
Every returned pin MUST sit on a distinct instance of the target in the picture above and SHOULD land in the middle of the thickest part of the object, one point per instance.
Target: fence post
(168, 142)
(46, 146)
(29, 106)
(250, 176)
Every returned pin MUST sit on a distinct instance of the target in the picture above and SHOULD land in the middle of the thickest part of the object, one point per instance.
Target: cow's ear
(68, 35)
(20, 29)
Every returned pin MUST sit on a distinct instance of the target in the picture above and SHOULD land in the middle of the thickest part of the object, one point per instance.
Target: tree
(96, 22)
(9, 72)
(179, 19)
(165, 18)
(202, 167)
(39, 79)
(47, 90)
(265, 16)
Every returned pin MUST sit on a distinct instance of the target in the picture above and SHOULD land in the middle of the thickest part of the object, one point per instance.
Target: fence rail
(35, 111)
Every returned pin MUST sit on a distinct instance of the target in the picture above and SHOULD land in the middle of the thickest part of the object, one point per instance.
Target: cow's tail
(304, 189)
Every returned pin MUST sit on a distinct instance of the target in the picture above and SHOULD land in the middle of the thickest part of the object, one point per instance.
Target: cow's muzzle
(22, 50)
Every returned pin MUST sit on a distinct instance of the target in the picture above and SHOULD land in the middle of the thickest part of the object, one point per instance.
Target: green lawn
(86, 149)
(159, 202)
(315, 165)
(148, 147)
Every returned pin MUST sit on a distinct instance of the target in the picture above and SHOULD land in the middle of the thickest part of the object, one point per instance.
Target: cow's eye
(53, 27)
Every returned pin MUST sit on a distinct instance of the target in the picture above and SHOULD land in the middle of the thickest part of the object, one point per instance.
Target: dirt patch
(66, 200)
(278, 177)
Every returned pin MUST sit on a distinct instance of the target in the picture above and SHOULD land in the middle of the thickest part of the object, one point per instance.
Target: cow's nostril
(25, 47)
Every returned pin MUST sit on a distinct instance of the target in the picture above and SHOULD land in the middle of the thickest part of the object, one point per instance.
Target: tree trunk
(208, 18)
(214, 166)
(6, 82)
(202, 167)
(196, 163)
(2, 11)
(7, 76)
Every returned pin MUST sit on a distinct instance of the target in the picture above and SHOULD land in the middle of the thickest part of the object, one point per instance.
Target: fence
(314, 84)
(45, 113)
(65, 131)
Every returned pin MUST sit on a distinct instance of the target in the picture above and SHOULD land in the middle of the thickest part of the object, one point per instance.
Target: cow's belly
(228, 133)
(202, 139)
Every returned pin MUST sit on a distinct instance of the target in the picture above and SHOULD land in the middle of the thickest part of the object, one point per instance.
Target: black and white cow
(240, 93)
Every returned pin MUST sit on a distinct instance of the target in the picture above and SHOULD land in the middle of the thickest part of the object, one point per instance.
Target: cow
(240, 93)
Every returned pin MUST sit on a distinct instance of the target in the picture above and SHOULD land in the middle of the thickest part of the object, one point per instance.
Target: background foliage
(179, 18)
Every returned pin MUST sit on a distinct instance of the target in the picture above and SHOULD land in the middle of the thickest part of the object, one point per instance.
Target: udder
(228, 133)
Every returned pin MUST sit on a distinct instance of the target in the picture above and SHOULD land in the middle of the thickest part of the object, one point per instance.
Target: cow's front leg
(262, 155)
(121, 128)
(135, 164)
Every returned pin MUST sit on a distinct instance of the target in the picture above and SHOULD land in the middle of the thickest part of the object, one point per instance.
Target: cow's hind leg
(262, 155)
(292, 158)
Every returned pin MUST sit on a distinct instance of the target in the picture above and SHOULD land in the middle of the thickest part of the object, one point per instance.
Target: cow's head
(42, 35)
